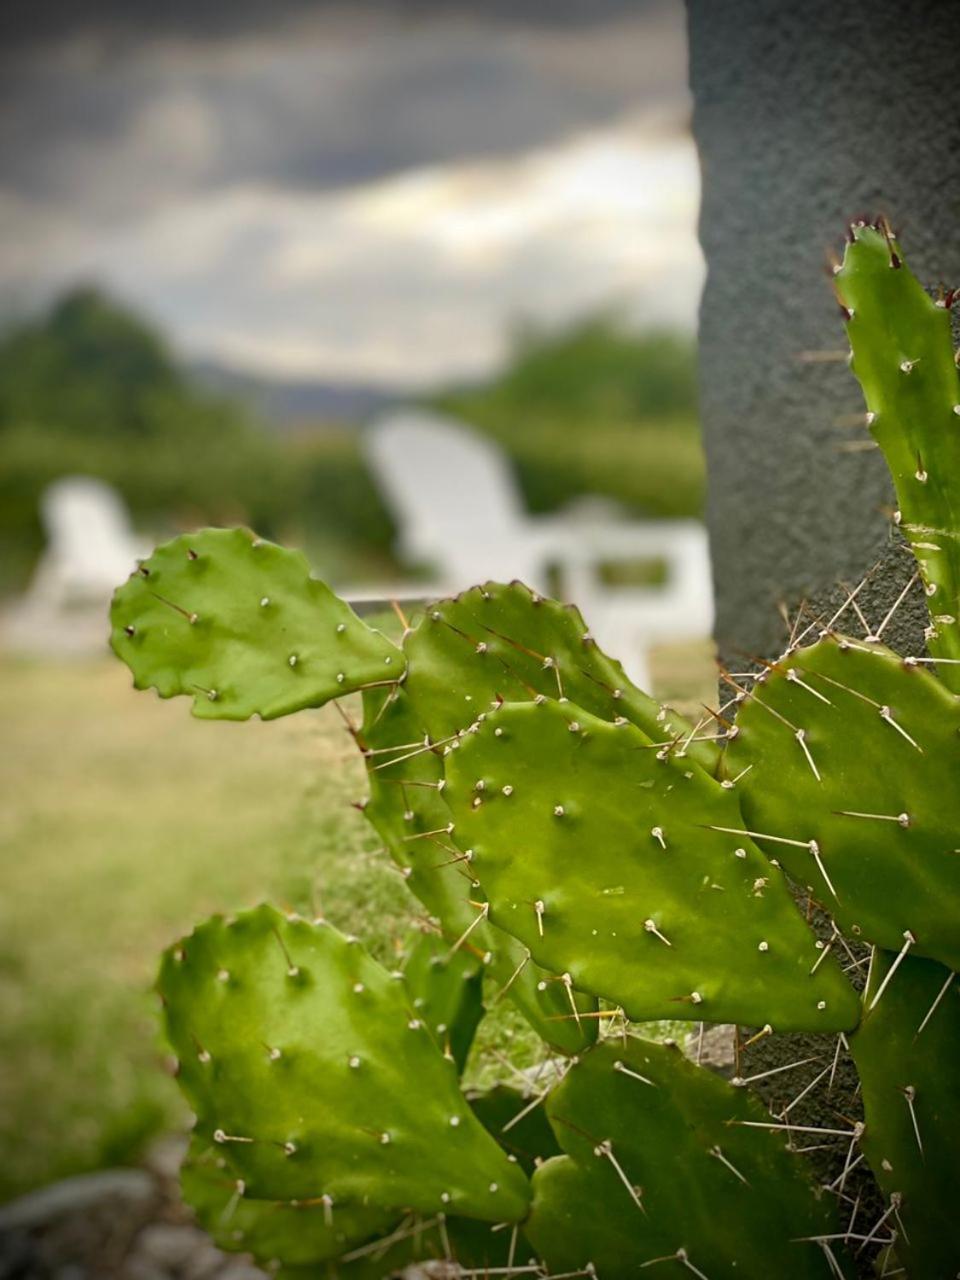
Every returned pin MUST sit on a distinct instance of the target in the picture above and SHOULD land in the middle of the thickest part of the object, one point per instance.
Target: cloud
(26, 24)
(412, 278)
(319, 100)
(353, 192)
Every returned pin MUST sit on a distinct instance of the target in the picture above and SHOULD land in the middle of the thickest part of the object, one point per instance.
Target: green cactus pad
(407, 802)
(303, 1058)
(479, 1248)
(315, 1241)
(906, 1049)
(621, 867)
(520, 1127)
(294, 1233)
(903, 357)
(411, 1240)
(239, 625)
(663, 1166)
(446, 991)
(504, 643)
(873, 783)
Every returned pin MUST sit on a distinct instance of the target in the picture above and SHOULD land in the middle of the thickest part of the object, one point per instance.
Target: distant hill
(291, 403)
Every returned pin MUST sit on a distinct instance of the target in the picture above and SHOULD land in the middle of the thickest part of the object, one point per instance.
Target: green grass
(123, 822)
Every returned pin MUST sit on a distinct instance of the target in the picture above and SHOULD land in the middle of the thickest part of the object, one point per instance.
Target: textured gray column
(807, 115)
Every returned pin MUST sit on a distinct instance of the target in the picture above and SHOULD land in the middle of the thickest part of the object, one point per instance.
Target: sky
(371, 191)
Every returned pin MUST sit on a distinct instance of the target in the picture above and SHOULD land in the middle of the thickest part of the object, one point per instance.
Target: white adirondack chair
(91, 548)
(457, 506)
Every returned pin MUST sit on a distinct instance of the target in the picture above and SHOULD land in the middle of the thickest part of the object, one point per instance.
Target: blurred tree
(88, 387)
(595, 408)
(87, 365)
(599, 367)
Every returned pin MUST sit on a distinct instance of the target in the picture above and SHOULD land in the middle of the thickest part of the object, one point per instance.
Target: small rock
(76, 1195)
(241, 1270)
(169, 1246)
(206, 1261)
(140, 1268)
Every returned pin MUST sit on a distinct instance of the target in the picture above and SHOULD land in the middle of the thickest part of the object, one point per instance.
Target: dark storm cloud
(27, 22)
(119, 106)
(362, 189)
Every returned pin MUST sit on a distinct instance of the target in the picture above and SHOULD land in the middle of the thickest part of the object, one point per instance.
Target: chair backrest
(88, 533)
(446, 485)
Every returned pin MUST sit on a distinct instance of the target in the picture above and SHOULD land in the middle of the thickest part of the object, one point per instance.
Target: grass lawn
(123, 822)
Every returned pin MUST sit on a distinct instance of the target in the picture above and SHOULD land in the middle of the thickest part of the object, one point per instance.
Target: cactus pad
(408, 810)
(504, 643)
(871, 787)
(903, 357)
(615, 864)
(446, 991)
(663, 1166)
(521, 1128)
(906, 1049)
(291, 1232)
(312, 1240)
(302, 1057)
(239, 625)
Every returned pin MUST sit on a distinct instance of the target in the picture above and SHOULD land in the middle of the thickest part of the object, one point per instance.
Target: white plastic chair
(456, 503)
(458, 508)
(91, 549)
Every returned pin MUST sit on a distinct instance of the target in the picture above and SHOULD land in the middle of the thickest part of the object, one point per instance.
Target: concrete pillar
(805, 116)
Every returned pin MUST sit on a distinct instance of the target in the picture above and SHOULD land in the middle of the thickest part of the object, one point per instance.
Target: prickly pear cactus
(593, 845)
(239, 625)
(903, 357)
(849, 758)
(304, 1060)
(906, 1049)
(505, 643)
(567, 835)
(667, 1163)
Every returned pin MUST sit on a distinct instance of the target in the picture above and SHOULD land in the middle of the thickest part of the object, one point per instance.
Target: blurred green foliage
(89, 388)
(596, 408)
